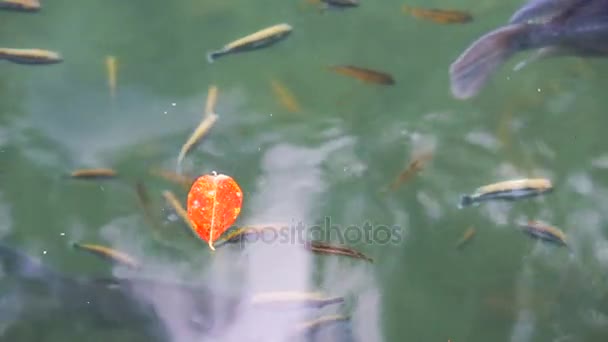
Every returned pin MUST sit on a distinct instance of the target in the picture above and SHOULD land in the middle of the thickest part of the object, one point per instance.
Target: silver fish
(508, 190)
(30, 56)
(256, 40)
(551, 27)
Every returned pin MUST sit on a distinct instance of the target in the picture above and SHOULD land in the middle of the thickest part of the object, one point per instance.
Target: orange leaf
(214, 203)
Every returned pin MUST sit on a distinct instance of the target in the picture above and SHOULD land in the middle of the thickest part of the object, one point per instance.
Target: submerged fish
(203, 127)
(110, 254)
(468, 235)
(320, 247)
(508, 190)
(101, 173)
(363, 74)
(20, 5)
(542, 231)
(441, 16)
(293, 300)
(30, 56)
(341, 3)
(284, 96)
(414, 167)
(112, 70)
(311, 327)
(184, 180)
(257, 40)
(551, 27)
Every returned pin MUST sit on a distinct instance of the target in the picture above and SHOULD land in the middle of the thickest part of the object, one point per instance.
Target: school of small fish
(550, 27)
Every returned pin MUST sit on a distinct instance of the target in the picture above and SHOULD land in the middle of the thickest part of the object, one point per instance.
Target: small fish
(293, 299)
(313, 326)
(542, 231)
(182, 179)
(100, 173)
(252, 233)
(285, 96)
(468, 235)
(439, 15)
(412, 169)
(326, 248)
(204, 126)
(257, 40)
(341, 3)
(212, 94)
(112, 69)
(179, 210)
(365, 75)
(144, 202)
(508, 190)
(110, 254)
(552, 28)
(20, 5)
(30, 56)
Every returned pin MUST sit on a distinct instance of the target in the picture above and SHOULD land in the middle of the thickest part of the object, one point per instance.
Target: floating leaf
(214, 203)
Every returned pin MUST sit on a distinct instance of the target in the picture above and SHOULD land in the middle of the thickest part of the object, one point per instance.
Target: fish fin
(547, 52)
(465, 201)
(482, 58)
(542, 10)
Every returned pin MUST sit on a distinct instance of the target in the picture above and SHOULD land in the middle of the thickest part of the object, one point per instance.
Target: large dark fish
(552, 27)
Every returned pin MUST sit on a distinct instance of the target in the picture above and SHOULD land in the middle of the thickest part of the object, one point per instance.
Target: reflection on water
(333, 158)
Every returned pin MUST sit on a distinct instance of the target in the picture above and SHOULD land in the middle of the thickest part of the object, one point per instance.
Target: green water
(331, 159)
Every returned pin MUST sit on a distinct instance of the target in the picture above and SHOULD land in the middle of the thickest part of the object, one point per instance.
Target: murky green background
(331, 159)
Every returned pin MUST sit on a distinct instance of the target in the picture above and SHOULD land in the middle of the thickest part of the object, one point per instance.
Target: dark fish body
(20, 5)
(341, 3)
(256, 40)
(30, 56)
(508, 191)
(553, 28)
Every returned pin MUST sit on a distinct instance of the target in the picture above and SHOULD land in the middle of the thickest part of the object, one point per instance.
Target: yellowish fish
(439, 15)
(285, 97)
(542, 231)
(20, 5)
(204, 126)
(257, 40)
(364, 74)
(413, 168)
(508, 190)
(30, 56)
(182, 179)
(110, 254)
(300, 299)
(468, 235)
(313, 325)
(112, 69)
(252, 233)
(212, 94)
(101, 173)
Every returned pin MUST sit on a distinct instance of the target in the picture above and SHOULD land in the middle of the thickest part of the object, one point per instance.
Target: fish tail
(477, 63)
(465, 201)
